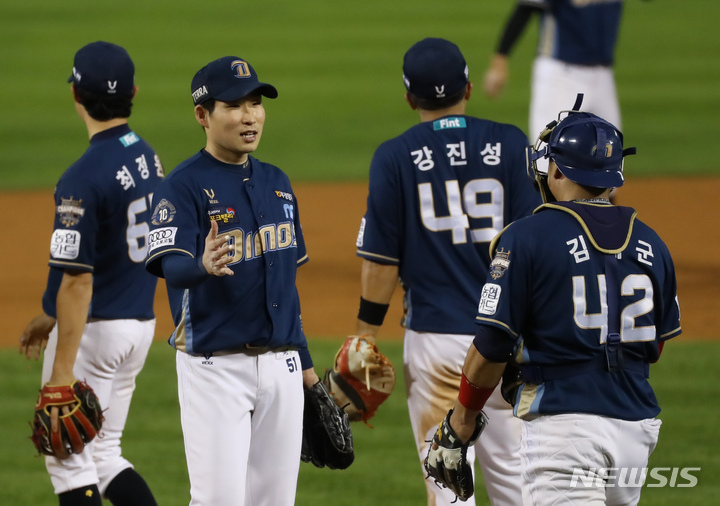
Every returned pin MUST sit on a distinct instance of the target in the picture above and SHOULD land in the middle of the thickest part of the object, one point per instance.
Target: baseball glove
(327, 438)
(446, 461)
(361, 379)
(75, 429)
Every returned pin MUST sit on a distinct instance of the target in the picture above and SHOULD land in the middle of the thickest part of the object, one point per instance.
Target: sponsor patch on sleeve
(489, 299)
(65, 244)
(161, 237)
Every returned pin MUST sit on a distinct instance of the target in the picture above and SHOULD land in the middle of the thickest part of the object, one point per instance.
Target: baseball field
(337, 68)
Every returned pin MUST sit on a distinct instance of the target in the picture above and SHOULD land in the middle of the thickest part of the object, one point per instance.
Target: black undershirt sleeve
(515, 26)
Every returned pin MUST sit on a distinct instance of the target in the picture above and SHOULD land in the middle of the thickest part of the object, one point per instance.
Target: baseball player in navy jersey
(575, 54)
(226, 236)
(438, 194)
(583, 295)
(98, 320)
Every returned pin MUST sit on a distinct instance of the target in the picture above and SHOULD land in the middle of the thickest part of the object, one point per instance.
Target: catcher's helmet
(587, 150)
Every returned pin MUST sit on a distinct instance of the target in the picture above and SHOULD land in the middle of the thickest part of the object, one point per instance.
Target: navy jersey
(581, 32)
(102, 214)
(439, 193)
(560, 283)
(256, 207)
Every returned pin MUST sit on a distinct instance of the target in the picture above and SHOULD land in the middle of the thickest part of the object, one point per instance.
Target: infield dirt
(685, 212)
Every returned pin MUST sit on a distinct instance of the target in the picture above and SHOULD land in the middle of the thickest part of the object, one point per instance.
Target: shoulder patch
(70, 211)
(164, 212)
(499, 264)
(161, 237)
(65, 244)
(489, 299)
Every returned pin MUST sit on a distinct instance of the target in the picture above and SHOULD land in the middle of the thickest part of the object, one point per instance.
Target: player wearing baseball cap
(582, 295)
(438, 194)
(98, 320)
(226, 236)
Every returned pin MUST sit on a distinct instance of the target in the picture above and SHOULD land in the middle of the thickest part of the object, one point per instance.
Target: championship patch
(284, 195)
(500, 264)
(222, 214)
(70, 211)
(489, 299)
(65, 244)
(164, 213)
(161, 237)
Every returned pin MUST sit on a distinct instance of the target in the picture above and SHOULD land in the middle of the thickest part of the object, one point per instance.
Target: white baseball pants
(556, 449)
(433, 368)
(241, 418)
(111, 355)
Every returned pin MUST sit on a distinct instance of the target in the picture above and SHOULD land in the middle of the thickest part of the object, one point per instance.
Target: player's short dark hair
(434, 104)
(209, 105)
(105, 108)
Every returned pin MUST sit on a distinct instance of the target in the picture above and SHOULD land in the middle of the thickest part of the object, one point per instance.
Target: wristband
(372, 313)
(471, 396)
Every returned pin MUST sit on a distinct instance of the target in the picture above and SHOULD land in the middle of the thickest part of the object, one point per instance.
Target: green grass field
(385, 471)
(337, 66)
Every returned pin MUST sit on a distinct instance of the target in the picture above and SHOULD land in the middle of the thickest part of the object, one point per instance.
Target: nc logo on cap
(241, 68)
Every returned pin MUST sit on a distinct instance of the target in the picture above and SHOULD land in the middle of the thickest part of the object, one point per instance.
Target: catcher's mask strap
(578, 101)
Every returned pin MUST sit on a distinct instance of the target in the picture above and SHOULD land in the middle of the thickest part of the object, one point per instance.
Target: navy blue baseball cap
(434, 68)
(227, 79)
(103, 68)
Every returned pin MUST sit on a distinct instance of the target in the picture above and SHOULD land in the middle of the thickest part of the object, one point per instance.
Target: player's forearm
(72, 305)
(378, 282)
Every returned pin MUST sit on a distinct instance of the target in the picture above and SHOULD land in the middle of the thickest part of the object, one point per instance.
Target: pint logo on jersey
(164, 213)
(70, 211)
(445, 123)
(499, 264)
(129, 139)
(224, 214)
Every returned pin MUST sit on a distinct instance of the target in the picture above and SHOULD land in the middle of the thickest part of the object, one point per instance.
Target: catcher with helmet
(582, 295)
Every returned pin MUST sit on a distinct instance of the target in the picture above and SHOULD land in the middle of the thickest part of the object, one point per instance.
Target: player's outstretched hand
(35, 336)
(217, 253)
(496, 76)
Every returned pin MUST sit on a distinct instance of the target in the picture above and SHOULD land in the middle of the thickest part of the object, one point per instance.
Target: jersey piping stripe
(373, 255)
(302, 260)
(670, 334)
(168, 251)
(71, 264)
(500, 324)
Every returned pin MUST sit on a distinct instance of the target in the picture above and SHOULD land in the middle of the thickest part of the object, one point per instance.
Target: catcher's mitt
(75, 429)
(327, 438)
(446, 461)
(361, 379)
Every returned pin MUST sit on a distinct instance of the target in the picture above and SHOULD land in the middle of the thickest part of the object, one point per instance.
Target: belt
(249, 349)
